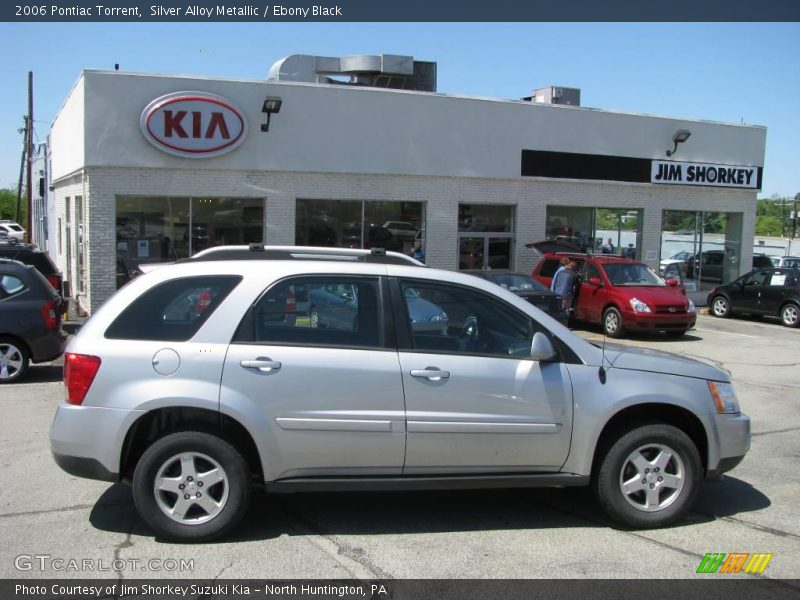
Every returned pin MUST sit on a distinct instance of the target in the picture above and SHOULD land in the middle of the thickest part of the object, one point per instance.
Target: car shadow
(43, 374)
(379, 513)
(597, 335)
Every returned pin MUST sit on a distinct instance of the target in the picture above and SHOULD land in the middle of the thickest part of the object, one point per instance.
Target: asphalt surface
(548, 533)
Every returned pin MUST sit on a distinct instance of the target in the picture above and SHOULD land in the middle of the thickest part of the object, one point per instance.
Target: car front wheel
(612, 323)
(790, 315)
(720, 307)
(191, 486)
(14, 360)
(649, 477)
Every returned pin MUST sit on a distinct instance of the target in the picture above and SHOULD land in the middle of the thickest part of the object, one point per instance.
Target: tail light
(291, 302)
(49, 311)
(79, 373)
(55, 281)
(202, 302)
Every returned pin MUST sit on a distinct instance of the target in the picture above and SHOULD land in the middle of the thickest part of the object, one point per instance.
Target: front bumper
(733, 435)
(86, 441)
(659, 321)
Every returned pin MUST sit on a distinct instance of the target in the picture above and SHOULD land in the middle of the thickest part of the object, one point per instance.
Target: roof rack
(9, 242)
(262, 252)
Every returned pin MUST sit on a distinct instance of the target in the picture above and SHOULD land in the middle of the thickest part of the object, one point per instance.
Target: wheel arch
(159, 422)
(16, 340)
(647, 414)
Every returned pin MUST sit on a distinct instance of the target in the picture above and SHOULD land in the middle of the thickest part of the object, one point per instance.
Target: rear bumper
(86, 441)
(48, 346)
(87, 468)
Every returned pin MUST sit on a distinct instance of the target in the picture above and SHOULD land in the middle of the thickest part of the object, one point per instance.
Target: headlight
(438, 318)
(639, 306)
(724, 397)
(692, 307)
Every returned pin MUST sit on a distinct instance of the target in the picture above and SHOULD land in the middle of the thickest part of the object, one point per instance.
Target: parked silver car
(195, 406)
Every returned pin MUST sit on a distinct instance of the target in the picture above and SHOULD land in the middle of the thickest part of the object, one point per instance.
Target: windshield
(518, 283)
(633, 275)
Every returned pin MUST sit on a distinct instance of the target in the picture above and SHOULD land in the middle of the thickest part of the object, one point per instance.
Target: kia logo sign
(193, 124)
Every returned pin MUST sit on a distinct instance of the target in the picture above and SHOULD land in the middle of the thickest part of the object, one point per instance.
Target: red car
(619, 294)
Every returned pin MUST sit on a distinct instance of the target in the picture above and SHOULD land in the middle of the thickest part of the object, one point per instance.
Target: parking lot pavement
(514, 533)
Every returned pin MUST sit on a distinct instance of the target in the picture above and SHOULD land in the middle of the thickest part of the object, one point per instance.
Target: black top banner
(399, 11)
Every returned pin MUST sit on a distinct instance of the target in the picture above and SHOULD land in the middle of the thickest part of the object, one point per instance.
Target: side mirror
(596, 281)
(541, 348)
(672, 282)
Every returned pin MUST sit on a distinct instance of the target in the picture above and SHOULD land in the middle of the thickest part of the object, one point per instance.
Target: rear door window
(330, 311)
(174, 310)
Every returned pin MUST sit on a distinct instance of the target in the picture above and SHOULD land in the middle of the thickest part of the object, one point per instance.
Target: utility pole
(24, 132)
(29, 146)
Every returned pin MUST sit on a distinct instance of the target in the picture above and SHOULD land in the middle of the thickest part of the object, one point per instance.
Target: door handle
(265, 365)
(430, 373)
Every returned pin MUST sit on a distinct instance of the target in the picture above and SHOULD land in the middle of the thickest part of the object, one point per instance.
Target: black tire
(719, 307)
(647, 442)
(790, 315)
(201, 446)
(15, 359)
(612, 323)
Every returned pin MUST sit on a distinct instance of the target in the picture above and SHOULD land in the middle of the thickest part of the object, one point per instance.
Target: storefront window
(617, 231)
(486, 236)
(700, 249)
(596, 230)
(397, 226)
(161, 229)
(571, 225)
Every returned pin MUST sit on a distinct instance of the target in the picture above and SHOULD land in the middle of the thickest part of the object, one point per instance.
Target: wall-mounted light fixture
(680, 136)
(271, 105)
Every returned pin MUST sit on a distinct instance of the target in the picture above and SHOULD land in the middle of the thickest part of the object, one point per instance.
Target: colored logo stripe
(758, 562)
(735, 562)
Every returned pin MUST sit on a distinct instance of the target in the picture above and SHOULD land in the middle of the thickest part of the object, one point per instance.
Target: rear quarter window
(11, 285)
(172, 311)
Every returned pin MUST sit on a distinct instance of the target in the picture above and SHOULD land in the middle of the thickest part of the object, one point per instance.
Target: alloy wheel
(790, 315)
(652, 477)
(11, 361)
(191, 488)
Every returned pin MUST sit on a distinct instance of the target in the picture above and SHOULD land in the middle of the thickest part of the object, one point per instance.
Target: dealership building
(362, 151)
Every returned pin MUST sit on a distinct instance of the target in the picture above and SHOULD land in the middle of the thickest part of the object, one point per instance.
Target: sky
(735, 73)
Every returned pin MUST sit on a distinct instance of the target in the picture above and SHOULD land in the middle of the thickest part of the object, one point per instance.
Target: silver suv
(201, 380)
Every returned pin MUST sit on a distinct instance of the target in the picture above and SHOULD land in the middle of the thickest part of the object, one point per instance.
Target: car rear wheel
(649, 477)
(612, 323)
(790, 315)
(191, 486)
(14, 359)
(720, 307)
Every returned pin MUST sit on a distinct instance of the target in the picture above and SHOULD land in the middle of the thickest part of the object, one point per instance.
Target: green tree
(8, 205)
(768, 225)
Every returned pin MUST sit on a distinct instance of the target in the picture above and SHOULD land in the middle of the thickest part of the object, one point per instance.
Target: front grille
(671, 309)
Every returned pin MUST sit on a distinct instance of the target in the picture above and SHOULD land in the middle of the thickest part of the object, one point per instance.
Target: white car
(792, 262)
(681, 257)
(12, 230)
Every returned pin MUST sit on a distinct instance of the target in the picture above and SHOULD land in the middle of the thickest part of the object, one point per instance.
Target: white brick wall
(531, 196)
